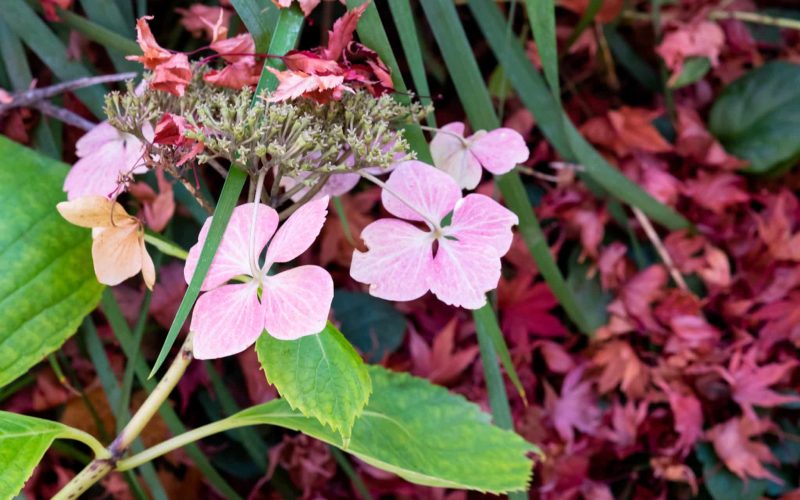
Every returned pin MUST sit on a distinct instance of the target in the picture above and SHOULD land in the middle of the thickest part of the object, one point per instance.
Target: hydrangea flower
(459, 262)
(106, 156)
(497, 151)
(228, 318)
(118, 250)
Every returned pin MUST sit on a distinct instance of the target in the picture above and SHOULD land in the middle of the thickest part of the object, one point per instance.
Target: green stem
(87, 439)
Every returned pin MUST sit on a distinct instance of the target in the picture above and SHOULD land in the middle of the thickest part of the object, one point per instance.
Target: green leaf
(260, 18)
(630, 60)
(694, 69)
(487, 327)
(721, 483)
(321, 375)
(372, 324)
(23, 442)
(757, 117)
(48, 282)
(422, 433)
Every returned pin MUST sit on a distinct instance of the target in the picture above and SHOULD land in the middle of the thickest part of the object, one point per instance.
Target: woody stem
(107, 462)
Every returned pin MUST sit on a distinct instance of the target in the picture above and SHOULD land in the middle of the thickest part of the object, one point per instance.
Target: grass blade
(260, 19)
(566, 139)
(586, 19)
(127, 376)
(407, 32)
(102, 35)
(630, 60)
(108, 15)
(542, 15)
(487, 326)
(23, 21)
(124, 336)
(284, 38)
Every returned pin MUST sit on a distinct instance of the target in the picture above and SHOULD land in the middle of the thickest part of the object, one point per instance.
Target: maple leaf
(171, 72)
(342, 33)
(575, 409)
(621, 367)
(781, 320)
(699, 39)
(742, 456)
(206, 20)
(626, 130)
(525, 307)
(750, 383)
(716, 192)
(440, 363)
(294, 84)
(695, 142)
(687, 415)
(157, 208)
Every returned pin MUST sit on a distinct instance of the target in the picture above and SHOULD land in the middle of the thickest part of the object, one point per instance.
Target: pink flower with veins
(497, 151)
(228, 318)
(107, 157)
(458, 262)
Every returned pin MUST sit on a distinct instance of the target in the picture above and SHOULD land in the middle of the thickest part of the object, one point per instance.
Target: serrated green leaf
(372, 324)
(694, 69)
(757, 117)
(23, 442)
(422, 433)
(320, 375)
(48, 283)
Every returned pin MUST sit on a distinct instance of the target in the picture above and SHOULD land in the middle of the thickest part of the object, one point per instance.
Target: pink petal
(233, 256)
(398, 262)
(480, 219)
(226, 321)
(430, 191)
(451, 155)
(500, 150)
(94, 139)
(463, 271)
(297, 302)
(337, 185)
(298, 232)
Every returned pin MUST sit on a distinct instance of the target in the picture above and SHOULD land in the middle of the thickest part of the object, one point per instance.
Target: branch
(64, 115)
(29, 97)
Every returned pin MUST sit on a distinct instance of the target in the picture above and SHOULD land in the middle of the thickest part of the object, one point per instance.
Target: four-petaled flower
(459, 262)
(229, 318)
(118, 249)
(497, 151)
(107, 159)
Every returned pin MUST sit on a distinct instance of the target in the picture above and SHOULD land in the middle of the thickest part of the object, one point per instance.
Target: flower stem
(106, 460)
(440, 131)
(256, 202)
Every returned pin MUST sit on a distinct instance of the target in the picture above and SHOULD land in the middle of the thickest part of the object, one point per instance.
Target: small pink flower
(497, 151)
(228, 318)
(458, 262)
(106, 158)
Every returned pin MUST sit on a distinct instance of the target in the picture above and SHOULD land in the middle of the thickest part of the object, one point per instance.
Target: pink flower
(228, 318)
(107, 158)
(458, 262)
(497, 151)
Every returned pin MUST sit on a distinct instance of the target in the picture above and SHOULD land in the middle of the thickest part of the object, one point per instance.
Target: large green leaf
(372, 324)
(422, 433)
(23, 442)
(48, 283)
(321, 375)
(757, 117)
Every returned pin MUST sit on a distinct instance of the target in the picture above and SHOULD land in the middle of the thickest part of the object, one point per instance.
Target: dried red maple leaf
(440, 363)
(750, 383)
(575, 409)
(621, 367)
(742, 456)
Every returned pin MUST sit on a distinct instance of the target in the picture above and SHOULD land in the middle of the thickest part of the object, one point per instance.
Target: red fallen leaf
(691, 332)
(157, 209)
(608, 11)
(196, 377)
(206, 20)
(231, 49)
(742, 456)
(626, 130)
(258, 389)
(781, 320)
(310, 62)
(621, 367)
(750, 383)
(342, 33)
(557, 358)
(776, 226)
(575, 409)
(624, 426)
(662, 185)
(50, 8)
(305, 5)
(613, 266)
(667, 468)
(171, 130)
(307, 460)
(171, 72)
(525, 308)
(699, 39)
(294, 84)
(716, 192)
(639, 293)
(687, 415)
(234, 76)
(696, 143)
(441, 363)
(334, 244)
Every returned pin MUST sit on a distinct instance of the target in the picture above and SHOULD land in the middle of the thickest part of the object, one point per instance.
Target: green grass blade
(97, 355)
(549, 116)
(124, 336)
(23, 21)
(455, 48)
(260, 18)
(486, 325)
(630, 60)
(351, 473)
(108, 15)
(407, 32)
(127, 376)
(126, 8)
(586, 19)
(104, 36)
(284, 38)
(542, 16)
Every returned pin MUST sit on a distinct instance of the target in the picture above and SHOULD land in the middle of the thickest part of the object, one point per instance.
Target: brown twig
(64, 115)
(33, 96)
(650, 231)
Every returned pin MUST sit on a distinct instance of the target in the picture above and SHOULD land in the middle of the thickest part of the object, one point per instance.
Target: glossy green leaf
(373, 325)
(320, 375)
(260, 18)
(23, 442)
(422, 433)
(284, 38)
(757, 117)
(694, 69)
(48, 282)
